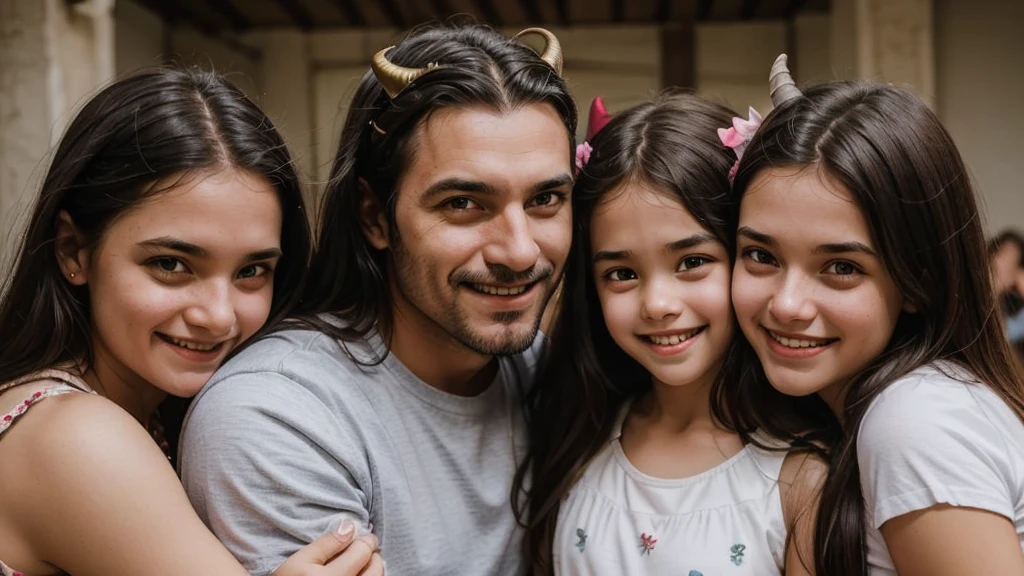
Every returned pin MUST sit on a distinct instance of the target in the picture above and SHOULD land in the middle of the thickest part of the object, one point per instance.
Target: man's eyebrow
(457, 185)
(551, 183)
(479, 187)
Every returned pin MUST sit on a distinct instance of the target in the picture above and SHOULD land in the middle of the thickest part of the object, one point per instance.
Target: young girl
(863, 278)
(630, 471)
(169, 228)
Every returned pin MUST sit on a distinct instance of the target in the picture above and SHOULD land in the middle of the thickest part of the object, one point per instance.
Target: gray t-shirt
(291, 436)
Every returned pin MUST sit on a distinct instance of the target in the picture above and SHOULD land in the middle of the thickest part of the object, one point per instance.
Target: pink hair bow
(737, 136)
(583, 151)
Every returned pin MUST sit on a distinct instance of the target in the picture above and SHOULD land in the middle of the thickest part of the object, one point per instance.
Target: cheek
(748, 294)
(554, 237)
(252, 311)
(619, 310)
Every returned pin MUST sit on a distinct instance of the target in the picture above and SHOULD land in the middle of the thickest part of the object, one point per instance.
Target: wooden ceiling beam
(532, 11)
(298, 14)
(352, 13)
(227, 10)
(488, 12)
(749, 9)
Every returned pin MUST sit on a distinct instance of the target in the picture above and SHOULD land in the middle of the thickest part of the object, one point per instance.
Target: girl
(863, 278)
(169, 228)
(631, 473)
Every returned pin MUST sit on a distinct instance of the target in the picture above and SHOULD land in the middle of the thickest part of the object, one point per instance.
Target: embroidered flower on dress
(581, 544)
(647, 542)
(737, 553)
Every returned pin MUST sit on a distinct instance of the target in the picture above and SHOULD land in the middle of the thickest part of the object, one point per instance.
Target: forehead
(636, 212)
(803, 205)
(505, 149)
(227, 207)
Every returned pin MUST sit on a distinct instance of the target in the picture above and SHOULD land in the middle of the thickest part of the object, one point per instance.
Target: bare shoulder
(71, 446)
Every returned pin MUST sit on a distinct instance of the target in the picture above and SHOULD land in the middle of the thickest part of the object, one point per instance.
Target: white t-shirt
(727, 520)
(936, 436)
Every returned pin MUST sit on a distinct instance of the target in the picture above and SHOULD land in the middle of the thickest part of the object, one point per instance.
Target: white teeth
(500, 290)
(192, 345)
(795, 343)
(674, 339)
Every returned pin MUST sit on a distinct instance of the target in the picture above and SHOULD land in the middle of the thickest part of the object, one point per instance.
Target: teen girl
(169, 229)
(630, 471)
(863, 278)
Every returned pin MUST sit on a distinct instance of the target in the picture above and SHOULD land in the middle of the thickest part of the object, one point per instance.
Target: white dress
(725, 521)
(936, 436)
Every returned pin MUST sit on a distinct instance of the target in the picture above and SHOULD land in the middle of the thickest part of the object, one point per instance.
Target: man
(397, 404)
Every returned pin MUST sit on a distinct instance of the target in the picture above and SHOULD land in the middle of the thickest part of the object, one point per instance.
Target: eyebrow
(177, 245)
(831, 248)
(681, 244)
(478, 187)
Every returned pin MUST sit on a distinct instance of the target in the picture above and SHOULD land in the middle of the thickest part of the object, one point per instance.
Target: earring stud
(72, 274)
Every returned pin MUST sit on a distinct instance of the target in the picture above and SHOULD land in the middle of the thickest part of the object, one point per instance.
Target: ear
(372, 218)
(71, 251)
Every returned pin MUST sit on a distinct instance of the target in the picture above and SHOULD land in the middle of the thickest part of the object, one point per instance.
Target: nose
(793, 300)
(512, 244)
(213, 309)
(661, 299)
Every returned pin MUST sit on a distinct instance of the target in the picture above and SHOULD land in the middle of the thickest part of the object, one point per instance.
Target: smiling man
(394, 399)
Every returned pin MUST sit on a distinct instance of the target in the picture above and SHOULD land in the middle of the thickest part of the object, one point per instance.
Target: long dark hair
(477, 67)
(906, 176)
(670, 144)
(157, 125)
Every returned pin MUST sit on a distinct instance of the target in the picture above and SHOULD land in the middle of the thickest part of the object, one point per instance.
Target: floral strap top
(64, 382)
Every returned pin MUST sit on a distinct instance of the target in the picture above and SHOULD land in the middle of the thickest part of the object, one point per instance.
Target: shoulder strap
(8, 420)
(64, 376)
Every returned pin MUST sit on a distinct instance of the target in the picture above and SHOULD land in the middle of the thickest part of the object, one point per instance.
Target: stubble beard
(452, 320)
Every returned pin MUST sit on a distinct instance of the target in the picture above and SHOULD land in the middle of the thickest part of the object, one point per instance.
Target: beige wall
(980, 85)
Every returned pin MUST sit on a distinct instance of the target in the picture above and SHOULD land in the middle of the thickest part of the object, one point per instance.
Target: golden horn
(780, 82)
(552, 53)
(392, 77)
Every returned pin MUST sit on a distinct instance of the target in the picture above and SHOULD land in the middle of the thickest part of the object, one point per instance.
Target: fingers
(356, 558)
(375, 567)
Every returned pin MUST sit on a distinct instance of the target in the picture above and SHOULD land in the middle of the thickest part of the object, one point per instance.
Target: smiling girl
(863, 279)
(630, 470)
(169, 229)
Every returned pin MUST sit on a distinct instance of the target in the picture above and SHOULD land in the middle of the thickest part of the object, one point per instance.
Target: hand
(337, 553)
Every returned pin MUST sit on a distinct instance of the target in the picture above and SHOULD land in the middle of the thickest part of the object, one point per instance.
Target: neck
(123, 387)
(680, 408)
(434, 356)
(835, 396)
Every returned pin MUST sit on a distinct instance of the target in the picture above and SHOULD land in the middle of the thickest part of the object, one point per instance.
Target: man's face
(483, 220)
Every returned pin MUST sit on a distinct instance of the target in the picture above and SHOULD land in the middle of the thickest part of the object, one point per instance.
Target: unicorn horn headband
(781, 86)
(782, 89)
(394, 78)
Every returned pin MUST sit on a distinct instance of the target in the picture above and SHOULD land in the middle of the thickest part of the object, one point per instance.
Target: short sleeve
(927, 440)
(269, 468)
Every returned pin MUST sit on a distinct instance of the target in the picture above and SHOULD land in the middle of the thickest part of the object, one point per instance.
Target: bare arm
(800, 483)
(93, 495)
(949, 541)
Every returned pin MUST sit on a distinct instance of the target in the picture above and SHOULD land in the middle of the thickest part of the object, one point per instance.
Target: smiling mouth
(188, 344)
(501, 290)
(674, 339)
(798, 343)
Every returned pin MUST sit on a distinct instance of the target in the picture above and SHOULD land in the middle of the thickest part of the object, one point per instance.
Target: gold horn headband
(780, 82)
(392, 77)
(552, 53)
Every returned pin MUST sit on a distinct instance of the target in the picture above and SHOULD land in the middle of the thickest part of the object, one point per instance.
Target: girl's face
(181, 279)
(663, 283)
(810, 292)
